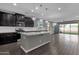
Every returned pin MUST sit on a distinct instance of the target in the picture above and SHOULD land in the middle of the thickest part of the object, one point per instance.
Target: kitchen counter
(33, 40)
(6, 29)
(33, 33)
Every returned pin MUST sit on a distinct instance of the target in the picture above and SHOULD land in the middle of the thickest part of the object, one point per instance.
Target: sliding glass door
(61, 28)
(69, 28)
(74, 28)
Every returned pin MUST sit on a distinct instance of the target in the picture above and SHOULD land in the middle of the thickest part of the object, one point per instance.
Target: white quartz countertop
(33, 33)
(5, 29)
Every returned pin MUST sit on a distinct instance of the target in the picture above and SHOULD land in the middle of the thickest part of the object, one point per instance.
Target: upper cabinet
(8, 19)
(20, 20)
(24, 21)
(29, 22)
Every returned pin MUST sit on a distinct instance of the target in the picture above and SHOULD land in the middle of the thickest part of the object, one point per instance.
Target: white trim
(26, 51)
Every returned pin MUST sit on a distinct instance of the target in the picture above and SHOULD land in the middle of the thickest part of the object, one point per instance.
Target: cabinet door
(7, 19)
(10, 19)
(20, 21)
(1, 19)
(4, 20)
(29, 22)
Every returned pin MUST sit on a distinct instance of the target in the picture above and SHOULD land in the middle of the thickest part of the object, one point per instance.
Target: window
(61, 28)
(74, 28)
(69, 28)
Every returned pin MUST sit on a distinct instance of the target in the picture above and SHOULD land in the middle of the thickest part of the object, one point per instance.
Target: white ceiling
(69, 11)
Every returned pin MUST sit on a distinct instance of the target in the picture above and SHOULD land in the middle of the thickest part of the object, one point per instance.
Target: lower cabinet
(6, 38)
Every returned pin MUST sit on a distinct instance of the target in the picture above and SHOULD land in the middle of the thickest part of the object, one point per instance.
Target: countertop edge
(26, 51)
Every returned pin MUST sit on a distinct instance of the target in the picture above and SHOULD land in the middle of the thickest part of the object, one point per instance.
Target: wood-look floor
(67, 44)
(61, 44)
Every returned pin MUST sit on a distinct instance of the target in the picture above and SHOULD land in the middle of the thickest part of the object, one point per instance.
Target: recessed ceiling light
(33, 18)
(59, 9)
(14, 4)
(32, 10)
(36, 7)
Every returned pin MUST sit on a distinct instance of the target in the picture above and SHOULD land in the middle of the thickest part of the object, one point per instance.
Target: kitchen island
(33, 40)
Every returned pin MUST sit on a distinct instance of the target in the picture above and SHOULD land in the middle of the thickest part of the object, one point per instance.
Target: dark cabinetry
(29, 22)
(7, 19)
(20, 20)
(9, 38)
(24, 21)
